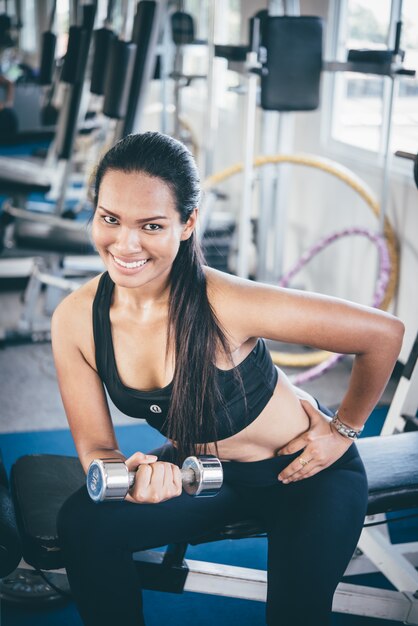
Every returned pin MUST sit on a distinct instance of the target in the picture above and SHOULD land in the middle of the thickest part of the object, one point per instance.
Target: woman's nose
(129, 239)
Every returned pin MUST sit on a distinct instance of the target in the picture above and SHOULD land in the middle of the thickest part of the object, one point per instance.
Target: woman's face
(136, 228)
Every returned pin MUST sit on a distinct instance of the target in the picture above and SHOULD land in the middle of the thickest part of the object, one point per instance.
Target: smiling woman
(182, 345)
(127, 242)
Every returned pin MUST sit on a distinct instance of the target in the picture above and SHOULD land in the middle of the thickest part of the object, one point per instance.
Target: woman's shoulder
(80, 300)
(227, 295)
(218, 281)
(231, 289)
(73, 316)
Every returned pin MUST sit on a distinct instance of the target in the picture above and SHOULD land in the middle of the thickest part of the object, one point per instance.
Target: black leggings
(313, 526)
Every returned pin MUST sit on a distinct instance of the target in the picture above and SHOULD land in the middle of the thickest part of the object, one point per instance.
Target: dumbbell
(110, 479)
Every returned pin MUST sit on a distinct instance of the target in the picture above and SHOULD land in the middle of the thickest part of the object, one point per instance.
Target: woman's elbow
(393, 333)
(400, 332)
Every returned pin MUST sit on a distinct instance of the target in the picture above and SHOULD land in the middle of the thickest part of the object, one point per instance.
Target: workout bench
(41, 484)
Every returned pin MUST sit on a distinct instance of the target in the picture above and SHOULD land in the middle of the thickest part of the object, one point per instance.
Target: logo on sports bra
(155, 408)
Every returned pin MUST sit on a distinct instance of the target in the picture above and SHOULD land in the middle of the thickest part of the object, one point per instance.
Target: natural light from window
(359, 99)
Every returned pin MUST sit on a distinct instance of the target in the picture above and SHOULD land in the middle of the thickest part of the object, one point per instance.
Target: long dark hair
(194, 332)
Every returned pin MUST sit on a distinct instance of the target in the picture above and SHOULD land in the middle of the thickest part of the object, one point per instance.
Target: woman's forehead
(135, 189)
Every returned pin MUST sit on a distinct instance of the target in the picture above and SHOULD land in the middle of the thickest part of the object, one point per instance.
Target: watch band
(344, 429)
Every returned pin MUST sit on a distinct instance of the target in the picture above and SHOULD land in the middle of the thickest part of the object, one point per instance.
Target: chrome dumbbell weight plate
(202, 475)
(108, 479)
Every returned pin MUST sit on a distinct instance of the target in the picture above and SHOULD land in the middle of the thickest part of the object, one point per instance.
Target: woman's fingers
(156, 482)
(302, 467)
(293, 446)
(315, 458)
(138, 458)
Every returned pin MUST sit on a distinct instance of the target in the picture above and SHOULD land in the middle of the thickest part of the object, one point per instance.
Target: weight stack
(217, 241)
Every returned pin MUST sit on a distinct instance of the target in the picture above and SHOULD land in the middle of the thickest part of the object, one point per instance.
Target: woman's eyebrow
(144, 219)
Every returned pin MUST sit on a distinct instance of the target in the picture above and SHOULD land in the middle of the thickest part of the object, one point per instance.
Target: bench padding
(391, 464)
(40, 486)
(52, 237)
(23, 177)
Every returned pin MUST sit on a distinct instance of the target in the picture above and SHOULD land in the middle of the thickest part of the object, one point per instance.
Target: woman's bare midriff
(282, 420)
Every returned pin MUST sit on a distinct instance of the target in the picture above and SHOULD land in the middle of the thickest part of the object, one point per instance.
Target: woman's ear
(190, 225)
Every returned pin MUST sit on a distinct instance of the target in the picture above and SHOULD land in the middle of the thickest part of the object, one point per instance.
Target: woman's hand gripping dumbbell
(110, 479)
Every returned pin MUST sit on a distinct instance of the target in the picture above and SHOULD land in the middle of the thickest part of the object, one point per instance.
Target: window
(405, 118)
(360, 115)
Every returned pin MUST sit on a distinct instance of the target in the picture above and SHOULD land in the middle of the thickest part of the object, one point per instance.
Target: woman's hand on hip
(322, 445)
(155, 481)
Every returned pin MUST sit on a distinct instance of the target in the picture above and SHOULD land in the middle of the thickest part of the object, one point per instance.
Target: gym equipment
(9, 126)
(145, 36)
(10, 544)
(102, 39)
(289, 46)
(410, 157)
(73, 73)
(6, 27)
(42, 234)
(292, 66)
(110, 479)
(355, 183)
(387, 63)
(49, 42)
(54, 249)
(113, 66)
(118, 79)
(48, 79)
(57, 167)
(182, 28)
(182, 33)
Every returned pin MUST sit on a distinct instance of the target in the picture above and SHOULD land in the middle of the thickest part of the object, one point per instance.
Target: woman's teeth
(130, 265)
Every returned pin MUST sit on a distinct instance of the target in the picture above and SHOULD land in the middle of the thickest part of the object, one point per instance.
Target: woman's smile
(129, 266)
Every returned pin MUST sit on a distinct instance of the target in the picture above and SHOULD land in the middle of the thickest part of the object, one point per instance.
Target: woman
(177, 343)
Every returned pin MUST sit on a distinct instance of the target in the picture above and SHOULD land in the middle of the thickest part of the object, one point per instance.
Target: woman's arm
(249, 309)
(323, 322)
(87, 410)
(81, 389)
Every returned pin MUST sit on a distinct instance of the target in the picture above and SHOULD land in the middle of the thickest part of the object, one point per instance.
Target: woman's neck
(147, 298)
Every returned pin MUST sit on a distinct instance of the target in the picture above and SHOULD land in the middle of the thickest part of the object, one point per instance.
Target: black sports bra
(258, 374)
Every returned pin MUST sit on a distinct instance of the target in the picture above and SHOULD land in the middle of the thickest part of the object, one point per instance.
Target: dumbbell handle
(188, 477)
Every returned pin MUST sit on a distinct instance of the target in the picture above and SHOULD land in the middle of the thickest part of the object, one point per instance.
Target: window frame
(372, 161)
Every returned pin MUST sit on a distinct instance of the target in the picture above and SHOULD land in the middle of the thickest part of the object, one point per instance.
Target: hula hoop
(326, 360)
(353, 181)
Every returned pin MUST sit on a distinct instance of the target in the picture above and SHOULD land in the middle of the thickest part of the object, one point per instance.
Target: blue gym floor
(188, 608)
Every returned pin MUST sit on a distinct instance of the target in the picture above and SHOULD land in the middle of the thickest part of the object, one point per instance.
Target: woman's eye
(108, 219)
(153, 227)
